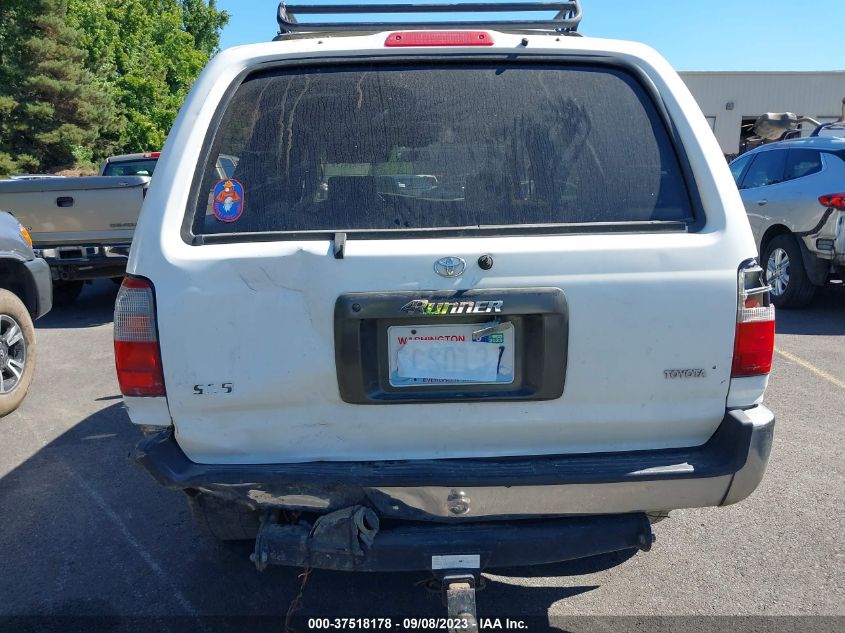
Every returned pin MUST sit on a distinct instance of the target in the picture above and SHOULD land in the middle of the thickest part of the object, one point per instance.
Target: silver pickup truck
(83, 227)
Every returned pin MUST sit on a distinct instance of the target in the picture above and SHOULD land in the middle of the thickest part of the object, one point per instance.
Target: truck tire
(17, 352)
(785, 273)
(66, 292)
(222, 520)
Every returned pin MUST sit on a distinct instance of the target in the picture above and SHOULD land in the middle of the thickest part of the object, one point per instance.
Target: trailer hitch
(352, 539)
(459, 598)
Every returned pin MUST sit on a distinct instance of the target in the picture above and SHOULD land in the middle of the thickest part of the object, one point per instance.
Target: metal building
(732, 101)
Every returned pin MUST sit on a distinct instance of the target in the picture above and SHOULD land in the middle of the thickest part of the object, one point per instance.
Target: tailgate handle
(762, 202)
(64, 202)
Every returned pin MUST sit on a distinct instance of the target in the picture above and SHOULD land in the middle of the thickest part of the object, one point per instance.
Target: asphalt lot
(84, 532)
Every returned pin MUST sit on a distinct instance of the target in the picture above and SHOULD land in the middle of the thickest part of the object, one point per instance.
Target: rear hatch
(474, 257)
(87, 210)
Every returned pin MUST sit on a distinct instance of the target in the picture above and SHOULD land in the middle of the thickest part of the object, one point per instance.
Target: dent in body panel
(288, 407)
(257, 341)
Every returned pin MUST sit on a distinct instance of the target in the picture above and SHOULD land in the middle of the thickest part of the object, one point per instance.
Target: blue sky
(692, 34)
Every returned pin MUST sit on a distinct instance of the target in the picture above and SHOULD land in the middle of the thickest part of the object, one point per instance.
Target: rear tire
(224, 521)
(66, 292)
(17, 361)
(786, 274)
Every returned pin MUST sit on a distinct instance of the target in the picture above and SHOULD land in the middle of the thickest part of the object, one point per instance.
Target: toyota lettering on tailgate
(440, 308)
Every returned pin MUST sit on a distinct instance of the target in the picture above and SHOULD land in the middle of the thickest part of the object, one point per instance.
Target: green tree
(55, 107)
(83, 79)
(16, 27)
(204, 22)
(149, 53)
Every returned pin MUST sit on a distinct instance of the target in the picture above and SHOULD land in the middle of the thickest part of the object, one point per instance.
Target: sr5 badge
(214, 389)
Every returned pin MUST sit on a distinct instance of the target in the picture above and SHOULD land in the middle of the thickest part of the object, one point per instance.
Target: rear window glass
(131, 168)
(449, 147)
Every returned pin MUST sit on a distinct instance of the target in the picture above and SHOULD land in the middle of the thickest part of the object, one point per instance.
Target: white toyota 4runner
(468, 288)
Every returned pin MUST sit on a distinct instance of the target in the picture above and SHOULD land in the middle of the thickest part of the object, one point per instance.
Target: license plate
(443, 355)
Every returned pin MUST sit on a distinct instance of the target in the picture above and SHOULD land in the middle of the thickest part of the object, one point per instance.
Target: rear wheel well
(817, 270)
(771, 233)
(15, 278)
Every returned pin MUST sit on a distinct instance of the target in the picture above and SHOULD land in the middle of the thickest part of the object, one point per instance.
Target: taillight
(754, 344)
(833, 200)
(439, 38)
(136, 350)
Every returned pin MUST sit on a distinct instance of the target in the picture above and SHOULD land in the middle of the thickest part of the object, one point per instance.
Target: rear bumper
(724, 470)
(82, 263)
(823, 247)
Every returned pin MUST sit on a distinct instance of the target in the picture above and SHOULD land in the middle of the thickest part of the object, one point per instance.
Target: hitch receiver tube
(411, 547)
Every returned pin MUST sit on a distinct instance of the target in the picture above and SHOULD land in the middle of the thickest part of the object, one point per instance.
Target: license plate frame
(540, 316)
(456, 355)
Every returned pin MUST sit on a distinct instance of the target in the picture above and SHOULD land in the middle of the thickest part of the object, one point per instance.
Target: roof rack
(833, 125)
(567, 16)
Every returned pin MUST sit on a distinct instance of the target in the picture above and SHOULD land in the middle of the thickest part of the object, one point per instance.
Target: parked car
(794, 194)
(25, 295)
(145, 165)
(574, 344)
(130, 164)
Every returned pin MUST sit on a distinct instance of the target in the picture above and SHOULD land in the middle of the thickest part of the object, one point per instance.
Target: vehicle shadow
(580, 567)
(825, 316)
(93, 535)
(94, 307)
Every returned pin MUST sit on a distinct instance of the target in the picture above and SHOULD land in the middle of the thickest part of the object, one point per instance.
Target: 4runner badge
(430, 308)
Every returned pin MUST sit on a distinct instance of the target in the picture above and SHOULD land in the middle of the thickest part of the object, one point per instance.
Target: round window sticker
(229, 200)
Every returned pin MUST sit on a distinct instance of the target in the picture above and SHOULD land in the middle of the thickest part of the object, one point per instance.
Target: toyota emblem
(450, 267)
